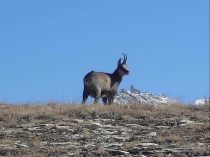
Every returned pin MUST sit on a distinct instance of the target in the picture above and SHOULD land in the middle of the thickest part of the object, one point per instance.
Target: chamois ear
(119, 61)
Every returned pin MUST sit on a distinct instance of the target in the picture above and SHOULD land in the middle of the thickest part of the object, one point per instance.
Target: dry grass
(129, 145)
(200, 150)
(168, 138)
(36, 142)
(7, 140)
(12, 116)
(173, 138)
(101, 152)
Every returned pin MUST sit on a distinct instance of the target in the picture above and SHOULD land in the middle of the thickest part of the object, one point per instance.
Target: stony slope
(72, 130)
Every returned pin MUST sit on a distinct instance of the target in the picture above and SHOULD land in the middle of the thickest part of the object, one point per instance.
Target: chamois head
(122, 67)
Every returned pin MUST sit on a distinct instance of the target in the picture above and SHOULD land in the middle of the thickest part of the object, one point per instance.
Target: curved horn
(125, 58)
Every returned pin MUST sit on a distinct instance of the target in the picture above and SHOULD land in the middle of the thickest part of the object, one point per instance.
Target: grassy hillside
(96, 130)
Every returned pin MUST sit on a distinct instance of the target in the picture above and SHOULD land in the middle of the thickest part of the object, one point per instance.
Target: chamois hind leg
(110, 100)
(97, 96)
(104, 99)
(85, 96)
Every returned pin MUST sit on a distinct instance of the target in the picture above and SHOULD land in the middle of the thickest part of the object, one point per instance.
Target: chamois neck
(116, 75)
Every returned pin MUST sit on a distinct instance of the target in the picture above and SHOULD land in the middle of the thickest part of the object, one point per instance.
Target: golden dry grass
(11, 114)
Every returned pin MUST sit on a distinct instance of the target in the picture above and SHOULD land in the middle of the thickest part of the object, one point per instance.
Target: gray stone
(117, 152)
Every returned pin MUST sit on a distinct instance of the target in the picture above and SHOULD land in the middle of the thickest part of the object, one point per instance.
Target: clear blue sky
(46, 47)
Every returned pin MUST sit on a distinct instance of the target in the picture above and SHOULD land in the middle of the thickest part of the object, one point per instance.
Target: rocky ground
(95, 130)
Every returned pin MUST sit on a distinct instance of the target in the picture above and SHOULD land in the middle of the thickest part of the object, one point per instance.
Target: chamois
(104, 85)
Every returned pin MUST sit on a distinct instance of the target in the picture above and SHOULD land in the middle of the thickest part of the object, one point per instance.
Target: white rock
(147, 144)
(121, 138)
(152, 134)
(186, 122)
(61, 143)
(62, 127)
(201, 102)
